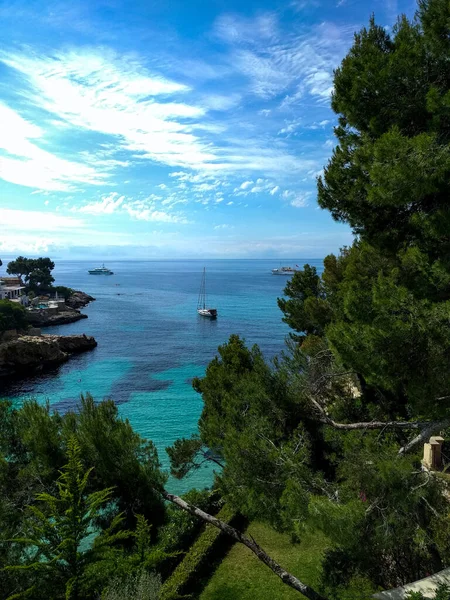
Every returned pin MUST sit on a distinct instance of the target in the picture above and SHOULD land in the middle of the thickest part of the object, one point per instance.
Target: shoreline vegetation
(342, 440)
(24, 350)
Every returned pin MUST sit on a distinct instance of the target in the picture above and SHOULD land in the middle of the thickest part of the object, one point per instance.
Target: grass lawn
(241, 576)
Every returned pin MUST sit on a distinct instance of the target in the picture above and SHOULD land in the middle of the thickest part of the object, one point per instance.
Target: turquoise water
(151, 342)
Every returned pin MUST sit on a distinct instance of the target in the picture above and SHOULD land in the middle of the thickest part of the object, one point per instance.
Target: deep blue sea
(151, 342)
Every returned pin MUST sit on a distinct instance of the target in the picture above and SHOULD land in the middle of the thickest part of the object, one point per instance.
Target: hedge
(202, 550)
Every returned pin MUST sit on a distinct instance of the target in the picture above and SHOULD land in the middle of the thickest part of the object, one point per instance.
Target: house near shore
(11, 288)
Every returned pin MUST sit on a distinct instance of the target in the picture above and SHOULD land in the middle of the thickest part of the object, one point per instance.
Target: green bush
(12, 316)
(199, 553)
(138, 586)
(63, 291)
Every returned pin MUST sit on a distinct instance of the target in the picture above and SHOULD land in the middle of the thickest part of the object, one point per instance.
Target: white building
(11, 288)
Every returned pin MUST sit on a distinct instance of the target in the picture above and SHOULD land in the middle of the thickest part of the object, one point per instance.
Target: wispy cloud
(106, 206)
(297, 199)
(24, 162)
(278, 62)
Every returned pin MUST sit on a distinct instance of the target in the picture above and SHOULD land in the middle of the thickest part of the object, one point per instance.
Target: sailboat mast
(204, 287)
(202, 294)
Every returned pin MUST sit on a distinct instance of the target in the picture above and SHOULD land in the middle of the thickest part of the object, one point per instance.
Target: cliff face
(28, 354)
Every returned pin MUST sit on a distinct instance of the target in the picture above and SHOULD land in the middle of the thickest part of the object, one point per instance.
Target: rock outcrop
(79, 299)
(28, 354)
(47, 318)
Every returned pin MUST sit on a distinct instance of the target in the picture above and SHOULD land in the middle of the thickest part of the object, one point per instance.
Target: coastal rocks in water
(47, 317)
(78, 299)
(28, 354)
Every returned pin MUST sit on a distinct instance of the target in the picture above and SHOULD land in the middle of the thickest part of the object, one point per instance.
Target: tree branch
(286, 577)
(367, 424)
(428, 427)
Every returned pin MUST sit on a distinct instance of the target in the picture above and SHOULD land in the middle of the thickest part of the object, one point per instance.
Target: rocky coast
(67, 313)
(46, 318)
(25, 355)
(78, 299)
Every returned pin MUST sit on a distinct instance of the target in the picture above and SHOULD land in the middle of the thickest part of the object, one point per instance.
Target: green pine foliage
(37, 272)
(56, 531)
(33, 451)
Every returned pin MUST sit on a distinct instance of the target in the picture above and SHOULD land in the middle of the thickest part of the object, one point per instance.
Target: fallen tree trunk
(286, 577)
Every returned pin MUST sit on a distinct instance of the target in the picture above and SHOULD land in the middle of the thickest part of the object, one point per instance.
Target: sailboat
(201, 304)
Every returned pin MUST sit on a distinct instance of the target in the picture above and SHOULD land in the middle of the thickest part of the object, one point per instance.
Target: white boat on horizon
(284, 271)
(100, 271)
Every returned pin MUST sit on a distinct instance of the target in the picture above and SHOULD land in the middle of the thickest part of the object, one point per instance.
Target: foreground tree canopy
(330, 435)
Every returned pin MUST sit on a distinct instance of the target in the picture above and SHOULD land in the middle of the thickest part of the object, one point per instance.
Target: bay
(151, 342)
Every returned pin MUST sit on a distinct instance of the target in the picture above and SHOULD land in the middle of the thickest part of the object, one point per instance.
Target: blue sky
(177, 128)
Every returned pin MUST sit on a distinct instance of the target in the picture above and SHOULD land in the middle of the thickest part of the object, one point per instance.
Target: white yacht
(101, 271)
(284, 271)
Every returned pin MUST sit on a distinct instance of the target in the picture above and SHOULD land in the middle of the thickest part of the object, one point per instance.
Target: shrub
(139, 586)
(200, 552)
(63, 291)
(12, 316)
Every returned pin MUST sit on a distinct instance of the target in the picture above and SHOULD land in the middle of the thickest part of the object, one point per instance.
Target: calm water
(151, 342)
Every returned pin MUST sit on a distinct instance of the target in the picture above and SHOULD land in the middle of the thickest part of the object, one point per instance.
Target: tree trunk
(286, 577)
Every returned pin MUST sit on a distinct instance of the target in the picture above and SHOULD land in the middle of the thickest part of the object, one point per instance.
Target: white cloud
(280, 62)
(31, 220)
(245, 185)
(30, 165)
(106, 206)
(274, 190)
(142, 212)
(290, 126)
(296, 199)
(220, 103)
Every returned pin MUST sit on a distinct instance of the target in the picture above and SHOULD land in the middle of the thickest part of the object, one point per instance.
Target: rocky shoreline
(28, 354)
(43, 318)
(62, 316)
(78, 299)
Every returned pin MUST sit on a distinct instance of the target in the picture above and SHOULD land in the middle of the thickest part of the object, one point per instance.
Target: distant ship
(101, 271)
(202, 310)
(284, 271)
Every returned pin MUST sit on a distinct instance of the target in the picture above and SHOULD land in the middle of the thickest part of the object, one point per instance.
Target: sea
(151, 342)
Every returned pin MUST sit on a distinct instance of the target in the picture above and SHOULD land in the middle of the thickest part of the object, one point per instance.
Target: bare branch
(324, 418)
(286, 577)
(430, 429)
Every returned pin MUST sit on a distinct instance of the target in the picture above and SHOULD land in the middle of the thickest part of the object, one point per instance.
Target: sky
(171, 128)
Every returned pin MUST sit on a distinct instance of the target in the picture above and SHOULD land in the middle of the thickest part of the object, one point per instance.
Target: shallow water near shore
(151, 342)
